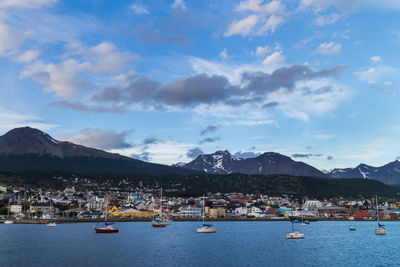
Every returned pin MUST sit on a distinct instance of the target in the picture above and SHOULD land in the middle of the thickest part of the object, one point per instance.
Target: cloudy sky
(167, 80)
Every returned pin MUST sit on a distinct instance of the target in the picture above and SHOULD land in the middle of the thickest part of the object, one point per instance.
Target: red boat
(108, 229)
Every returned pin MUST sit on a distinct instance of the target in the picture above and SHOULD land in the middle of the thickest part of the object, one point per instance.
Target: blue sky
(166, 80)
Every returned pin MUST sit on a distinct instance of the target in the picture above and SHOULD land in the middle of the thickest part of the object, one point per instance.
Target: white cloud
(387, 83)
(105, 139)
(31, 4)
(327, 20)
(242, 27)
(223, 54)
(261, 51)
(10, 39)
(104, 56)
(329, 48)
(63, 79)
(376, 59)
(28, 56)
(265, 18)
(376, 74)
(179, 4)
(165, 152)
(275, 60)
(350, 5)
(258, 6)
(11, 119)
(139, 9)
(325, 136)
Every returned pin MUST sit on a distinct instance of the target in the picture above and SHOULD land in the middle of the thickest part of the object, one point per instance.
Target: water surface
(235, 244)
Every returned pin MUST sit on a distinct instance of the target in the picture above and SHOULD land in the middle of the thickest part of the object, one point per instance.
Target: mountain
(31, 149)
(388, 174)
(222, 162)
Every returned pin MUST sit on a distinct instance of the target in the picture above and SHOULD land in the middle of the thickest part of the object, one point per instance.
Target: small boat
(351, 226)
(294, 234)
(380, 230)
(295, 221)
(51, 223)
(108, 228)
(206, 228)
(160, 221)
(8, 221)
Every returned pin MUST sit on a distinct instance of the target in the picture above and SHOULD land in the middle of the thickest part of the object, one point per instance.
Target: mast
(377, 212)
(204, 209)
(161, 204)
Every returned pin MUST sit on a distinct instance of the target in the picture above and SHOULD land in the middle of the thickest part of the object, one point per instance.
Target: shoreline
(62, 221)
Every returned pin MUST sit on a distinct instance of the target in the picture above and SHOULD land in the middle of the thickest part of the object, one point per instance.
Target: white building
(16, 208)
(190, 212)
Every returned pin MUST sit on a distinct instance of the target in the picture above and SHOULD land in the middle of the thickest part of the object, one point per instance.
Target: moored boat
(206, 228)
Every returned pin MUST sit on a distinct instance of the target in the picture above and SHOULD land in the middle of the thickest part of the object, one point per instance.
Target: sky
(165, 81)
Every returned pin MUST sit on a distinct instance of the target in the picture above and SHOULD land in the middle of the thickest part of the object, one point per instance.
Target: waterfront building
(190, 212)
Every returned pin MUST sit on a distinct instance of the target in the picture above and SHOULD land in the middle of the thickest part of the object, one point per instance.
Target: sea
(235, 244)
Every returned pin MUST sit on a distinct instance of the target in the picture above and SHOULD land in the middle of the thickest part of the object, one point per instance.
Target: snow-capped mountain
(222, 162)
(388, 174)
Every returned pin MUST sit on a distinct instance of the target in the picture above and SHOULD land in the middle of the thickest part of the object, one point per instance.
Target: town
(87, 200)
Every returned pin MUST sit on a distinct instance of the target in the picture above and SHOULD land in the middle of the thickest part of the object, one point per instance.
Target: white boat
(8, 221)
(51, 223)
(351, 226)
(380, 230)
(206, 228)
(294, 234)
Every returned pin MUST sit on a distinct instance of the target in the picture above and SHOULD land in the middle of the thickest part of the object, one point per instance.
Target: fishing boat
(108, 228)
(160, 221)
(8, 221)
(205, 228)
(51, 223)
(294, 234)
(380, 230)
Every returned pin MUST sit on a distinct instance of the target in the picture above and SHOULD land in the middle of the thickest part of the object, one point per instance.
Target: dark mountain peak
(31, 149)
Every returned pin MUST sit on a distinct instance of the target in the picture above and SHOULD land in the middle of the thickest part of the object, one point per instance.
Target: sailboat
(351, 226)
(159, 221)
(108, 228)
(51, 223)
(294, 234)
(303, 222)
(9, 221)
(380, 230)
(206, 228)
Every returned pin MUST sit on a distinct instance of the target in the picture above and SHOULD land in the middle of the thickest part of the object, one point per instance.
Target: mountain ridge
(32, 149)
(223, 162)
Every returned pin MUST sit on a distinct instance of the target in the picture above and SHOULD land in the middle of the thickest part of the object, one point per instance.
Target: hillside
(193, 185)
(31, 149)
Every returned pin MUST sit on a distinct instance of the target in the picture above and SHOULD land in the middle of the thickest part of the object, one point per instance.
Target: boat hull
(294, 236)
(159, 225)
(105, 231)
(8, 222)
(380, 231)
(51, 225)
(203, 230)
